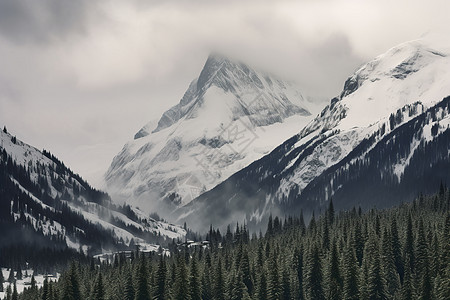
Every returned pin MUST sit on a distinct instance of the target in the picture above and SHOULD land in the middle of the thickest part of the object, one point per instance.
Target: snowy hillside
(39, 193)
(384, 95)
(229, 117)
(26, 281)
(409, 73)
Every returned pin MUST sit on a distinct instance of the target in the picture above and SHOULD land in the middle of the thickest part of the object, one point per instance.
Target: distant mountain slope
(388, 119)
(43, 202)
(230, 116)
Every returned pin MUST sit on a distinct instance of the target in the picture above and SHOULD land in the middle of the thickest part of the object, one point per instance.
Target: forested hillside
(392, 161)
(399, 253)
(50, 215)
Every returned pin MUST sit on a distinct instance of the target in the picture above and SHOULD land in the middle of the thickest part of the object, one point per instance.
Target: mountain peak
(218, 64)
(236, 79)
(228, 117)
(383, 126)
(215, 58)
(212, 65)
(397, 63)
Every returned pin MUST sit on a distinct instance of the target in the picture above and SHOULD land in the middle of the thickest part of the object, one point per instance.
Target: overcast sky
(79, 78)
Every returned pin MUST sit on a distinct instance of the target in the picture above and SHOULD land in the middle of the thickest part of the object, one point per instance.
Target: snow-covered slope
(229, 117)
(411, 72)
(25, 282)
(39, 192)
(382, 96)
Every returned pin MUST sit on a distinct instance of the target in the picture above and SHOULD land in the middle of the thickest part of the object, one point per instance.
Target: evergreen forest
(397, 253)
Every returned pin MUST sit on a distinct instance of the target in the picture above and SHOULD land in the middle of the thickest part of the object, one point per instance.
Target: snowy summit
(230, 116)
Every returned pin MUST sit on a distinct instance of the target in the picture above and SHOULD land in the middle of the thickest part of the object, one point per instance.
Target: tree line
(24, 222)
(397, 253)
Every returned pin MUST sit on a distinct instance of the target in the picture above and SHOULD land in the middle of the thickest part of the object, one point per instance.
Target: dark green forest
(24, 242)
(398, 253)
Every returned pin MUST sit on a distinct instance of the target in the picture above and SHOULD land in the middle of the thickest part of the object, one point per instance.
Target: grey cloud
(25, 21)
(334, 59)
(337, 46)
(100, 70)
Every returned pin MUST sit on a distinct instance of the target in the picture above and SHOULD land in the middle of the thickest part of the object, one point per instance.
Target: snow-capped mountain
(230, 116)
(365, 148)
(44, 202)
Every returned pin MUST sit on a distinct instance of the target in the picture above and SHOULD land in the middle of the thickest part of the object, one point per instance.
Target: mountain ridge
(58, 208)
(195, 141)
(379, 98)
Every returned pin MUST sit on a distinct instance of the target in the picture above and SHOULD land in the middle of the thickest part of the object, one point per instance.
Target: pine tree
(262, 286)
(388, 265)
(181, 286)
(435, 256)
(98, 291)
(421, 253)
(441, 190)
(376, 286)
(267, 250)
(51, 295)
(273, 288)
(194, 281)
(312, 224)
(409, 245)
(443, 289)
(314, 287)
(113, 283)
(407, 288)
(8, 292)
(298, 267)
(285, 285)
(246, 276)
(33, 283)
(206, 283)
(52, 291)
(160, 284)
(142, 291)
(219, 284)
(128, 293)
(2, 280)
(358, 242)
(302, 224)
(71, 285)
(11, 277)
(15, 295)
(325, 237)
(330, 212)
(19, 275)
(397, 249)
(445, 246)
(45, 290)
(260, 257)
(377, 225)
(172, 275)
(335, 283)
(237, 288)
(269, 231)
(426, 286)
(351, 287)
